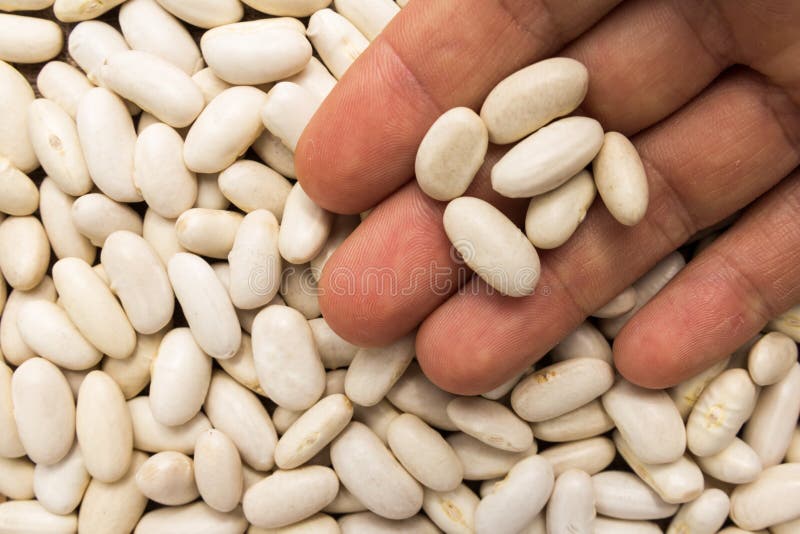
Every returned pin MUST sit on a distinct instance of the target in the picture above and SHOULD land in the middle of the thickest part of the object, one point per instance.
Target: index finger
(437, 54)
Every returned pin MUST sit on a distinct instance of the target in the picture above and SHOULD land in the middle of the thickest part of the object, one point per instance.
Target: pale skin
(709, 92)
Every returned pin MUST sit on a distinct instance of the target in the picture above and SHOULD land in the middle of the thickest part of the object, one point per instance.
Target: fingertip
(644, 355)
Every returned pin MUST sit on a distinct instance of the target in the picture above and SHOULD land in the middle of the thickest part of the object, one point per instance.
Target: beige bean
(104, 427)
(168, 187)
(274, 153)
(554, 216)
(250, 186)
(621, 179)
(286, 497)
(59, 487)
(55, 209)
(424, 453)
(181, 373)
(492, 246)
(29, 39)
(289, 367)
(150, 28)
(771, 358)
(168, 478)
(132, 374)
(367, 468)
(18, 193)
(13, 347)
(648, 421)
(541, 396)
(122, 496)
(93, 308)
(155, 85)
(532, 97)
(451, 153)
(151, 436)
(47, 329)
(373, 372)
(548, 157)
(336, 40)
(44, 411)
(209, 312)
(313, 430)
(225, 129)
(257, 51)
(16, 95)
(205, 13)
(369, 16)
(490, 422)
(218, 470)
(108, 140)
(96, 216)
(590, 455)
(770, 428)
(238, 413)
(24, 252)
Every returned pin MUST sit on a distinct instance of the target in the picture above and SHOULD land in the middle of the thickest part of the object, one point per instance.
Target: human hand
(714, 138)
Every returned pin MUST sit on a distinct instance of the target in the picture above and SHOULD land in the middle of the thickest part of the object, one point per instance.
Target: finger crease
(755, 299)
(689, 225)
(415, 79)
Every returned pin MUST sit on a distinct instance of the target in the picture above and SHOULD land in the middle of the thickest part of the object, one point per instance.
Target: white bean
(518, 499)
(548, 157)
(44, 410)
(286, 497)
(451, 153)
(257, 51)
(237, 411)
(104, 427)
(209, 311)
(648, 421)
(532, 97)
(140, 280)
(337, 41)
(771, 358)
(367, 468)
(304, 228)
(723, 407)
(59, 487)
(571, 507)
(15, 96)
(55, 209)
(560, 388)
(205, 13)
(490, 422)
(772, 498)
(93, 308)
(218, 470)
(288, 364)
(424, 453)
(24, 252)
(251, 185)
(76, 10)
(29, 39)
(492, 246)
(151, 436)
(121, 496)
(623, 495)
(168, 478)
(554, 216)
(704, 515)
(313, 430)
(96, 216)
(255, 262)
(148, 27)
(737, 463)
(225, 129)
(769, 431)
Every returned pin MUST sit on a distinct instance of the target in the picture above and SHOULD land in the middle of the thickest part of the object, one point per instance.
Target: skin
(709, 92)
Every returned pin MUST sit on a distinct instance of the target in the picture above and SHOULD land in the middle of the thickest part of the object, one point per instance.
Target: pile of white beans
(548, 165)
(256, 416)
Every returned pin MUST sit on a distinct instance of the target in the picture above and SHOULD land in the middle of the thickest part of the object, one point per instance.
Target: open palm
(708, 91)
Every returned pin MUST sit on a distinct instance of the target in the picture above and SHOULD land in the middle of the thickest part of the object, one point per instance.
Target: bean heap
(241, 409)
(548, 165)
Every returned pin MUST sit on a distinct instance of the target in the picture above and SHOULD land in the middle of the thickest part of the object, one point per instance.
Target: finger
(375, 289)
(723, 298)
(417, 254)
(708, 160)
(435, 55)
